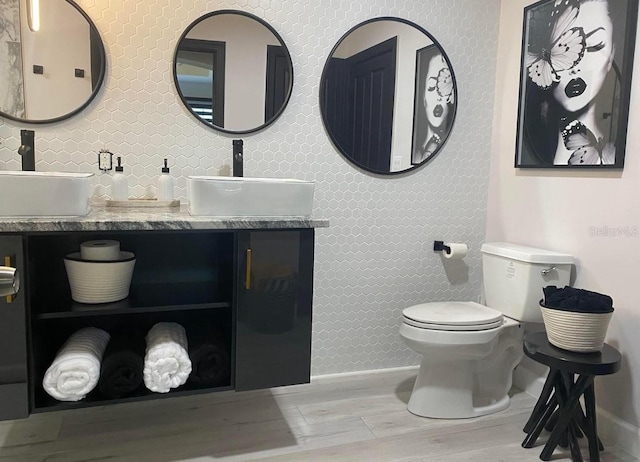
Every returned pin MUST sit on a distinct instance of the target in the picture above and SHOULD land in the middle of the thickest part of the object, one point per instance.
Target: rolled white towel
(166, 363)
(76, 368)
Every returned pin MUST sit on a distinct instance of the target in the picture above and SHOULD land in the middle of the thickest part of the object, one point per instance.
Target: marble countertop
(140, 219)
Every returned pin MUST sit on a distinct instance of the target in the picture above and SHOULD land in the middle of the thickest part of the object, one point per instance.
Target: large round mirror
(52, 60)
(388, 96)
(233, 71)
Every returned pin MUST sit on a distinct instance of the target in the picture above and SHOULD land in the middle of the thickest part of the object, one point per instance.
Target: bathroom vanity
(250, 279)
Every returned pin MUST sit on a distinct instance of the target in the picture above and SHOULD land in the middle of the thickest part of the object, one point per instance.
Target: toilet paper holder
(438, 246)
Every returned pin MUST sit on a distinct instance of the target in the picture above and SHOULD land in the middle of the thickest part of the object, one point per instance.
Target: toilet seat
(452, 316)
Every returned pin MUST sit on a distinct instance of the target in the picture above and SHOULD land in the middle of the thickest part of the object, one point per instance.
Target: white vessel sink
(249, 197)
(44, 194)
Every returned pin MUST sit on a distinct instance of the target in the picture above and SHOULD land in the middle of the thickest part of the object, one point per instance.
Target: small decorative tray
(138, 203)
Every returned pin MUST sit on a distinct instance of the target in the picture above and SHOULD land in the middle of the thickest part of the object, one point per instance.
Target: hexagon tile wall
(376, 257)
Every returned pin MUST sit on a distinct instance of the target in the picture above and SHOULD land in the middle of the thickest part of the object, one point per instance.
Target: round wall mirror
(388, 96)
(233, 71)
(52, 60)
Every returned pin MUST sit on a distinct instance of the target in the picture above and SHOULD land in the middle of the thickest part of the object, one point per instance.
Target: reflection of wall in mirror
(409, 40)
(11, 89)
(245, 66)
(58, 91)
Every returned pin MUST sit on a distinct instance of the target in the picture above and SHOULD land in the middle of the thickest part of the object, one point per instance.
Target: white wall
(592, 215)
(62, 27)
(245, 66)
(376, 257)
(410, 39)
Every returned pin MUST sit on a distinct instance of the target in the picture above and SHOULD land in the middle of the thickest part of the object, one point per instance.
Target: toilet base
(444, 390)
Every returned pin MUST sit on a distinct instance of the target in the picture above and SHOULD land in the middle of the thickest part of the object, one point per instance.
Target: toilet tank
(514, 276)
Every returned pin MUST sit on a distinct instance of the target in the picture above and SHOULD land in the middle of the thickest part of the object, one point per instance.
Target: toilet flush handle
(546, 271)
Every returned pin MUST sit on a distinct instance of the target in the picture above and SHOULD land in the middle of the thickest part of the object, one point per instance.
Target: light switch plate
(397, 163)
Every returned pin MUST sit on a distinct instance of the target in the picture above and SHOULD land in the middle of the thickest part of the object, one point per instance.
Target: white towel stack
(166, 363)
(76, 368)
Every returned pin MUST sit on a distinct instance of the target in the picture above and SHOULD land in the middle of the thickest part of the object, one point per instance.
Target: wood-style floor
(357, 418)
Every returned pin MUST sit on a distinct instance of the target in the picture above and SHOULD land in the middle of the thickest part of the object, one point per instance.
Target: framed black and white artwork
(575, 83)
(434, 104)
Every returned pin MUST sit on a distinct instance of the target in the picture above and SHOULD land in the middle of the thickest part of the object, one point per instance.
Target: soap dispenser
(165, 184)
(119, 184)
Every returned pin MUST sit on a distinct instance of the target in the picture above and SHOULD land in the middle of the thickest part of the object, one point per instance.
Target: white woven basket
(99, 281)
(580, 332)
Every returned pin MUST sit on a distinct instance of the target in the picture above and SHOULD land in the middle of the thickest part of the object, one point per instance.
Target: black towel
(122, 364)
(210, 363)
(577, 300)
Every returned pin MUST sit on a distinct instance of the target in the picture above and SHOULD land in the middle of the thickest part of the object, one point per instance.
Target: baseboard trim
(367, 372)
(614, 430)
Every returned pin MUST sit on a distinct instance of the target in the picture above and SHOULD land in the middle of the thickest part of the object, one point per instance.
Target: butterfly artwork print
(563, 50)
(444, 85)
(434, 103)
(585, 148)
(576, 68)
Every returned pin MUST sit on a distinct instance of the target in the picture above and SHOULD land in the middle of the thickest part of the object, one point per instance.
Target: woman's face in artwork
(579, 85)
(435, 92)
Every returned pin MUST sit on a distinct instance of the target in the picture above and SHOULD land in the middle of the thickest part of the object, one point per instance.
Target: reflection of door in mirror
(278, 80)
(200, 72)
(365, 82)
(247, 43)
(67, 80)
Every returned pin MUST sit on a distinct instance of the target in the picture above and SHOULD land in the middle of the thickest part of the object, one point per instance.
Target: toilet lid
(467, 316)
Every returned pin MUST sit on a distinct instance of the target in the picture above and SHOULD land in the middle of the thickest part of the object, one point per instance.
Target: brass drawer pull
(247, 279)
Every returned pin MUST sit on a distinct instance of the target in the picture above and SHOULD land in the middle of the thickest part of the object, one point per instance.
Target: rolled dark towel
(210, 363)
(122, 365)
(577, 300)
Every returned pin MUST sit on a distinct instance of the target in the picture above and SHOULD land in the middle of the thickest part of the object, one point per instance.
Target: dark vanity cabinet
(274, 293)
(14, 403)
(251, 288)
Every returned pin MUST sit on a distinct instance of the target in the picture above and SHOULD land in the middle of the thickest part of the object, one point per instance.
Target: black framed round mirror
(388, 96)
(233, 71)
(52, 60)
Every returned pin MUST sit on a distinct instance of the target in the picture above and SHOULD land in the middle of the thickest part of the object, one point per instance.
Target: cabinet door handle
(9, 280)
(247, 279)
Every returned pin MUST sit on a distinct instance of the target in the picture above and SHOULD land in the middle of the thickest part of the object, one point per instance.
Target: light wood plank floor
(356, 418)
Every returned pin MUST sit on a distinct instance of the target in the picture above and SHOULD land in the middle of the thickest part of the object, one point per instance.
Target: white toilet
(469, 351)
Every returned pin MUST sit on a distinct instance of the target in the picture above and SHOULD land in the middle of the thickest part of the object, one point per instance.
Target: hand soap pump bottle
(119, 184)
(165, 184)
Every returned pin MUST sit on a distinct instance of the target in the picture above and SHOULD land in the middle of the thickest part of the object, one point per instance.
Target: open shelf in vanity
(252, 286)
(178, 277)
(49, 335)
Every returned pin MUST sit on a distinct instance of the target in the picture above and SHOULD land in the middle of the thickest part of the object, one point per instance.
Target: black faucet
(27, 150)
(237, 158)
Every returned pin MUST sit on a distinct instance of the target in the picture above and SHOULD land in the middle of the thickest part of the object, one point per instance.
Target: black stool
(558, 408)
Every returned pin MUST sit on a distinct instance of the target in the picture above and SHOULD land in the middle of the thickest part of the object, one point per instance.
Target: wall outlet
(105, 160)
(397, 163)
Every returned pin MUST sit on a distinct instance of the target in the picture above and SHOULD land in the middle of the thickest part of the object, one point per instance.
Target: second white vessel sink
(250, 197)
(44, 194)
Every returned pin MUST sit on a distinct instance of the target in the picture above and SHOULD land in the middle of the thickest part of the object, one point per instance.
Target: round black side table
(558, 409)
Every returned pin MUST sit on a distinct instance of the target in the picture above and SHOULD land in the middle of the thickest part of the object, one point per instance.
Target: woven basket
(94, 282)
(579, 332)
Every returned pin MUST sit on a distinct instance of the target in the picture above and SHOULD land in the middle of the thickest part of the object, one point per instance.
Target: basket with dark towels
(576, 319)
(210, 362)
(123, 362)
(576, 300)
